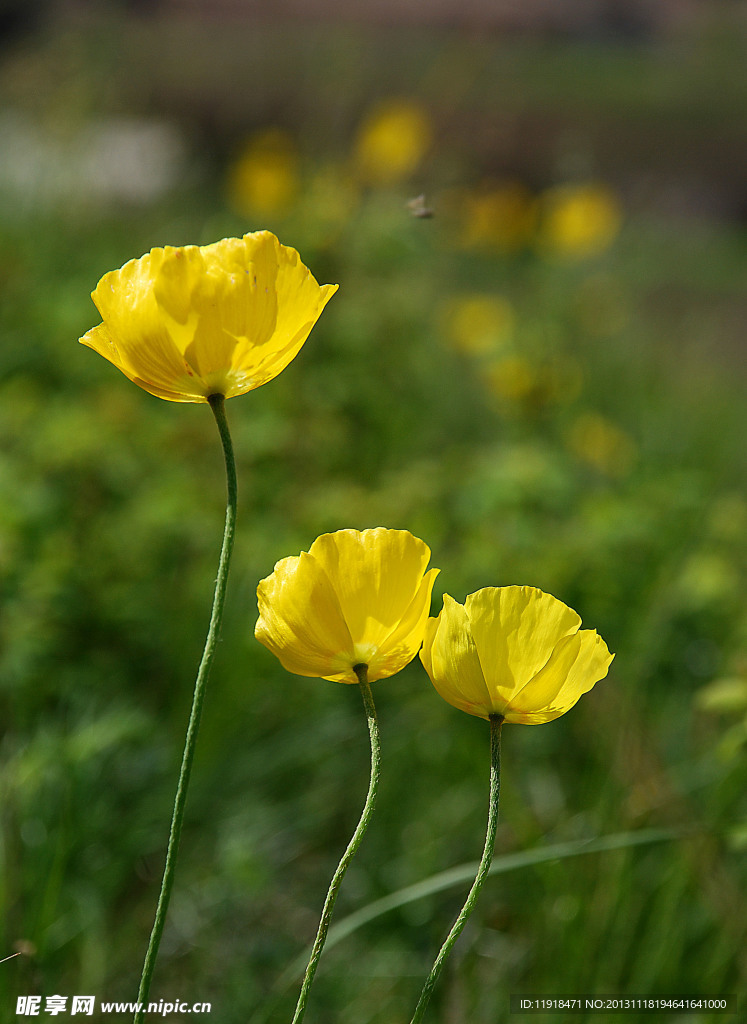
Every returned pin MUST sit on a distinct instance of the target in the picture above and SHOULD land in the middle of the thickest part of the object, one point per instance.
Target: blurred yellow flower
(354, 599)
(512, 651)
(264, 179)
(392, 141)
(512, 378)
(499, 214)
(187, 323)
(577, 221)
(331, 196)
(477, 324)
(600, 443)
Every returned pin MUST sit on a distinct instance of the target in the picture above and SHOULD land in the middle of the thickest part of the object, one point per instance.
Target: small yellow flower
(187, 323)
(512, 378)
(478, 324)
(265, 178)
(392, 141)
(331, 196)
(600, 443)
(578, 220)
(499, 215)
(354, 599)
(512, 651)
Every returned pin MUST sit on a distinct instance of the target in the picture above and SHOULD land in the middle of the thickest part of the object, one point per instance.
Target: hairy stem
(496, 721)
(217, 404)
(316, 951)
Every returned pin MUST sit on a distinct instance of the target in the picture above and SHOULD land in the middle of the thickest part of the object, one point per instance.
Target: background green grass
(111, 507)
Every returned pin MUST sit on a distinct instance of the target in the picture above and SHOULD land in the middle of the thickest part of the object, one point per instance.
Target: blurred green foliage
(591, 446)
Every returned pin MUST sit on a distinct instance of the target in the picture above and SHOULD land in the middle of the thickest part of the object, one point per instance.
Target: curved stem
(217, 404)
(316, 951)
(496, 721)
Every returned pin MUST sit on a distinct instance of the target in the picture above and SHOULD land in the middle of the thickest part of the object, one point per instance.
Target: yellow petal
(149, 332)
(576, 664)
(515, 630)
(300, 621)
(101, 341)
(376, 575)
(403, 643)
(274, 321)
(156, 367)
(450, 658)
(125, 298)
(426, 651)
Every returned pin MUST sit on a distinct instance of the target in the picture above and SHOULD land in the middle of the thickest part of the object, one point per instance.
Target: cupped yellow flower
(512, 651)
(187, 323)
(354, 599)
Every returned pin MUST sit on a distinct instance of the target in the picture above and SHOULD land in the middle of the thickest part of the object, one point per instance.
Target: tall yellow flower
(514, 652)
(508, 654)
(353, 599)
(187, 323)
(352, 609)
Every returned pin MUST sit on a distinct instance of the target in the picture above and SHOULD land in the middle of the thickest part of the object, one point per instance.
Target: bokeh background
(536, 215)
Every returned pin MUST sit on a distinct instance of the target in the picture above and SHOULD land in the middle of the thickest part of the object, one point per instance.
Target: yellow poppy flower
(512, 651)
(353, 599)
(187, 323)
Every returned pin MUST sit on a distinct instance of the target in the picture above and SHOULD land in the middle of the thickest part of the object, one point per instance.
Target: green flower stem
(496, 721)
(316, 951)
(217, 404)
